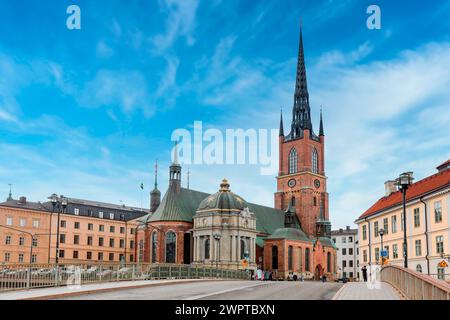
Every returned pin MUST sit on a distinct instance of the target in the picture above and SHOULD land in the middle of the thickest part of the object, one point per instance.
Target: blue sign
(383, 253)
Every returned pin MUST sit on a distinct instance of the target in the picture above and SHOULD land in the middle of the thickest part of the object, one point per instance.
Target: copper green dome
(223, 201)
(289, 234)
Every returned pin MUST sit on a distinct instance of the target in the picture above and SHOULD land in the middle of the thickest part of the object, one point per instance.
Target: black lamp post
(381, 233)
(60, 204)
(217, 238)
(403, 182)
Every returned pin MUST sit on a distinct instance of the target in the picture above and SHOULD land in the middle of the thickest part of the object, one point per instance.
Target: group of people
(270, 276)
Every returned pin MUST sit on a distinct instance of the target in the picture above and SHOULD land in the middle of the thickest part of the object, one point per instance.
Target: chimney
(23, 200)
(390, 187)
(348, 228)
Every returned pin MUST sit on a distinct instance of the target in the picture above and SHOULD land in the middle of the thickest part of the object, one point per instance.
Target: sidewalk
(360, 291)
(64, 291)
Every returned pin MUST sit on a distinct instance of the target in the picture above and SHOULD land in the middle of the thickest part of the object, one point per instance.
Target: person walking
(364, 272)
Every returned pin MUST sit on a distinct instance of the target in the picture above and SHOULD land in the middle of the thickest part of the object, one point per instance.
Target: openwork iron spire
(321, 124)
(301, 118)
(281, 124)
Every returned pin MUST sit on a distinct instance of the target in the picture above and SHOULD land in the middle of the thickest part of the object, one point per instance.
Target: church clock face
(291, 183)
(317, 184)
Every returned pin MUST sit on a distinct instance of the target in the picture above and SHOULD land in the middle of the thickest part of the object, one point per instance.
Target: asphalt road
(224, 290)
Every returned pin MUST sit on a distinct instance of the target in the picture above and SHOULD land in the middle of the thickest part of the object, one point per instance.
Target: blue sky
(86, 113)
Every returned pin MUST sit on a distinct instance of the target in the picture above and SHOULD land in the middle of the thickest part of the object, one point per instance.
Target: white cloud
(103, 50)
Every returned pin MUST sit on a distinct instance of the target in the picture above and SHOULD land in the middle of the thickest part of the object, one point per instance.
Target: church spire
(155, 195)
(156, 174)
(10, 193)
(281, 124)
(321, 124)
(301, 118)
(175, 171)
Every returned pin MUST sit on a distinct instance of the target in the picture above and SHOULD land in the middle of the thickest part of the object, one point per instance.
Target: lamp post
(403, 182)
(381, 233)
(60, 204)
(217, 238)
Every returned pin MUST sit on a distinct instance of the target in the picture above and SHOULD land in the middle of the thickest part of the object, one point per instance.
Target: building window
(35, 223)
(315, 201)
(122, 230)
(101, 242)
(274, 257)
(329, 261)
(76, 239)
(100, 215)
(23, 222)
(141, 251)
(377, 254)
(101, 228)
(111, 216)
(300, 260)
(131, 244)
(121, 258)
(293, 201)
(122, 243)
(21, 256)
(416, 217)
(61, 253)
(375, 228)
(207, 247)
(344, 240)
(76, 211)
(419, 268)
(439, 244)
(242, 249)
(334, 240)
(350, 251)
(395, 251)
(33, 258)
(293, 159)
(75, 255)
(62, 223)
(89, 212)
(21, 241)
(8, 240)
(111, 242)
(89, 255)
(364, 232)
(9, 221)
(76, 225)
(350, 263)
(171, 247)
(35, 242)
(131, 258)
(290, 258)
(112, 229)
(100, 256)
(438, 211)
(365, 255)
(344, 251)
(344, 264)
(89, 240)
(386, 248)
(7, 256)
(386, 225)
(350, 239)
(62, 238)
(122, 217)
(90, 227)
(418, 248)
(154, 245)
(441, 273)
(315, 161)
(111, 256)
(307, 266)
(394, 224)
(351, 274)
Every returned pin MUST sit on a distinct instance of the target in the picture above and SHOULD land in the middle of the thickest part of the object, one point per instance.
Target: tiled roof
(416, 190)
(37, 206)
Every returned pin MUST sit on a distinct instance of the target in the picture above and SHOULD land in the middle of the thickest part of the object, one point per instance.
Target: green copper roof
(178, 206)
(289, 234)
(327, 242)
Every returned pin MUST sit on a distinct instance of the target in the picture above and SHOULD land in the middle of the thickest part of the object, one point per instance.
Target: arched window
(293, 159)
(293, 201)
(290, 258)
(307, 260)
(171, 246)
(154, 245)
(329, 261)
(242, 249)
(275, 258)
(315, 161)
(300, 258)
(419, 268)
(207, 248)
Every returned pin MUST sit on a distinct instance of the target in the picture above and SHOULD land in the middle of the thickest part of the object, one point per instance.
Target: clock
(291, 183)
(317, 183)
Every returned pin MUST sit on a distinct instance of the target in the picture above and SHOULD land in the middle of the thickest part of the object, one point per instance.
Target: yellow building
(427, 226)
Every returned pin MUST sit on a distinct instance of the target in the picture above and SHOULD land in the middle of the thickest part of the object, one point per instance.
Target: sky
(85, 113)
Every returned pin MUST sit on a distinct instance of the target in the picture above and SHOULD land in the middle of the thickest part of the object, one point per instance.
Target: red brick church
(222, 229)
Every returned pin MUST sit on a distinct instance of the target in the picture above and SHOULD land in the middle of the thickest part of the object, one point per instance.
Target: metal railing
(414, 285)
(25, 276)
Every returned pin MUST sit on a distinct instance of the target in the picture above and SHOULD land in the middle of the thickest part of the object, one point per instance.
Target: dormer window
(111, 216)
(76, 211)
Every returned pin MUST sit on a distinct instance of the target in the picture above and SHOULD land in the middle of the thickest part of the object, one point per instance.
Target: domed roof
(289, 234)
(223, 201)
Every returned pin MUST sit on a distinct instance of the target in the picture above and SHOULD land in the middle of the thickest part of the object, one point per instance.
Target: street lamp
(217, 238)
(381, 233)
(403, 182)
(60, 204)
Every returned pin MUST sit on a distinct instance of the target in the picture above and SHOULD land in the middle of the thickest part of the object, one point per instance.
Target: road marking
(223, 291)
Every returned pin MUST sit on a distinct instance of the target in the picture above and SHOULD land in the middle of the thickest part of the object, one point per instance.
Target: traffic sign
(383, 253)
(443, 264)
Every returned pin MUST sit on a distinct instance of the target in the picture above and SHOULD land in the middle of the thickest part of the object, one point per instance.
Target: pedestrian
(364, 272)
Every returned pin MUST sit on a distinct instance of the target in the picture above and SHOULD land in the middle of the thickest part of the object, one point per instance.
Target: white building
(346, 241)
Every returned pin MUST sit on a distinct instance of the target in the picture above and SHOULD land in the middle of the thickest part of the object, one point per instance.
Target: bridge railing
(414, 285)
(25, 276)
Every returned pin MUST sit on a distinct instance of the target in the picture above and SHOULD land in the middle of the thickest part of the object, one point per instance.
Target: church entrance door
(318, 273)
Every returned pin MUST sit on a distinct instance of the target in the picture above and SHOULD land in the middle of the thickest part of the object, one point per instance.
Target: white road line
(223, 291)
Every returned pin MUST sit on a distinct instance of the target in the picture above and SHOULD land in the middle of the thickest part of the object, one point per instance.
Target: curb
(336, 295)
(92, 291)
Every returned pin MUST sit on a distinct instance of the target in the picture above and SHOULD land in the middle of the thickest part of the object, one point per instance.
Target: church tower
(301, 180)
(155, 195)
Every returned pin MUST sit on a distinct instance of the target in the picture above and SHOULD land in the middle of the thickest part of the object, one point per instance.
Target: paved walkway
(361, 291)
(64, 291)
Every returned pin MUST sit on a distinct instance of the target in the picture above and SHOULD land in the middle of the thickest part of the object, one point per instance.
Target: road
(224, 290)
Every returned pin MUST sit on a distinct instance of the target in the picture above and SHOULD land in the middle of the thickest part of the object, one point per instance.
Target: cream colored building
(427, 225)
